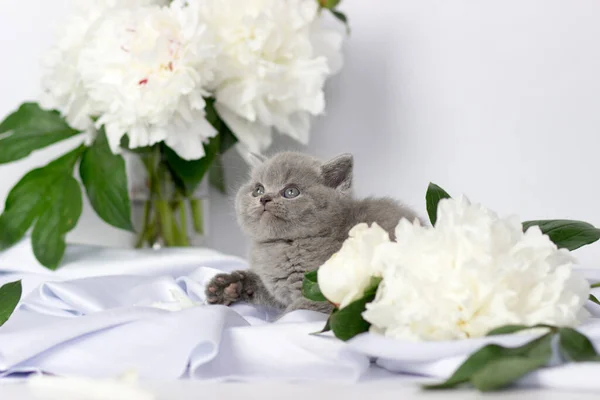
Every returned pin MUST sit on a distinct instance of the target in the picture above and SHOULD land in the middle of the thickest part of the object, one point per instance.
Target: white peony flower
(146, 70)
(472, 273)
(345, 276)
(275, 60)
(63, 89)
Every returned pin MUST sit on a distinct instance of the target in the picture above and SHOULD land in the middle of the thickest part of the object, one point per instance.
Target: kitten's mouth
(268, 211)
(267, 207)
(265, 211)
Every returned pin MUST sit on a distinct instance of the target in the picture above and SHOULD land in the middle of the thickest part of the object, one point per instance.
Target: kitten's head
(293, 195)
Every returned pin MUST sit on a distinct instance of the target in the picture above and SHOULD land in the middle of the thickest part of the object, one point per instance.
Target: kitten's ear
(337, 173)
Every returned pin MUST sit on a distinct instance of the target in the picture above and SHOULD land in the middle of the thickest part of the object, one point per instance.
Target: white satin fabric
(107, 312)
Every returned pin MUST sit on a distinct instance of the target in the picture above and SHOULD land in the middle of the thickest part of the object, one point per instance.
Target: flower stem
(162, 225)
(160, 187)
(183, 223)
(148, 231)
(180, 231)
(143, 234)
(197, 215)
(596, 285)
(165, 216)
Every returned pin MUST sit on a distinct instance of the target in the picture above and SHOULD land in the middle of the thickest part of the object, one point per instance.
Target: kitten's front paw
(226, 288)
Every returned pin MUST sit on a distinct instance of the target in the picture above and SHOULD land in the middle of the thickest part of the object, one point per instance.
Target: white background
(496, 99)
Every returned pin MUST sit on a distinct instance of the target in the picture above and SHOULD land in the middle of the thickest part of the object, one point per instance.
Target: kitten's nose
(265, 199)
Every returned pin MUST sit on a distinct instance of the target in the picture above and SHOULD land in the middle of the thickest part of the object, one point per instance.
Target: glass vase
(163, 214)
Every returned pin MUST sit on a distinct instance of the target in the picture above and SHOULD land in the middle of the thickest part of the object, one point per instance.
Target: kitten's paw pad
(232, 290)
(224, 289)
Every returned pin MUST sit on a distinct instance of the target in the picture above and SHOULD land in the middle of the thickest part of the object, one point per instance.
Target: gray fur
(293, 236)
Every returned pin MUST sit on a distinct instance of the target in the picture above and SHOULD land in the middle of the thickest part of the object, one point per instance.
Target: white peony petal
(328, 43)
(114, 135)
(471, 273)
(189, 144)
(297, 126)
(238, 97)
(345, 276)
(142, 66)
(253, 135)
(62, 85)
(146, 74)
(275, 61)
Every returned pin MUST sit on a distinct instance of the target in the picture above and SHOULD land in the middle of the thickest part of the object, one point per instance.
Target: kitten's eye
(291, 192)
(259, 190)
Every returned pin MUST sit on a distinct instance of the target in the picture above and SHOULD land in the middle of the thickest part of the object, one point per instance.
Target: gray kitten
(297, 211)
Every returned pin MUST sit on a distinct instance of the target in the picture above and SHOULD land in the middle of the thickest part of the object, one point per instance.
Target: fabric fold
(108, 312)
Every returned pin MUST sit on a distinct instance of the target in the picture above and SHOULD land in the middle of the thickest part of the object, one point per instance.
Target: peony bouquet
(471, 274)
(175, 83)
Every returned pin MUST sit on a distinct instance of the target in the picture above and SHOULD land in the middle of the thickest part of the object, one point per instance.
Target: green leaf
(594, 299)
(58, 218)
(216, 173)
(228, 139)
(329, 4)
(432, 198)
(348, 322)
(30, 128)
(105, 179)
(471, 365)
(327, 326)
(505, 371)
(535, 347)
(503, 330)
(48, 198)
(342, 18)
(15, 223)
(514, 364)
(191, 172)
(373, 286)
(494, 366)
(310, 287)
(566, 233)
(10, 294)
(575, 346)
